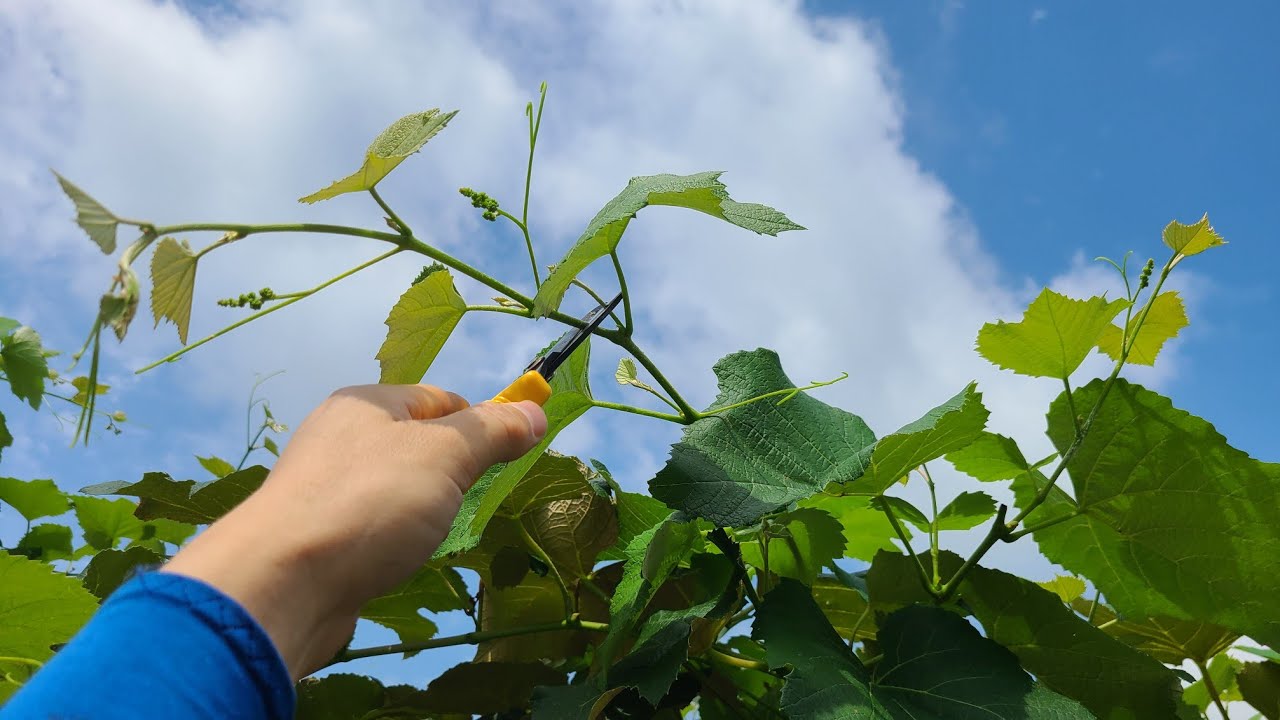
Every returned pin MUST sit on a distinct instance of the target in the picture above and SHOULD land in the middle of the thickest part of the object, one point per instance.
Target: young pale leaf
(801, 543)
(106, 522)
(1066, 653)
(866, 529)
(735, 466)
(217, 466)
(967, 510)
(33, 499)
(702, 192)
(38, 608)
(1168, 640)
(116, 309)
(110, 568)
(626, 375)
(8, 325)
(1053, 337)
(950, 426)
(270, 446)
(935, 666)
(1068, 588)
(1165, 319)
(25, 364)
(1222, 670)
(1191, 239)
(46, 542)
(91, 216)
(6, 437)
(431, 588)
(1172, 520)
(82, 385)
(173, 282)
(403, 138)
(989, 458)
(418, 326)
(1259, 685)
(161, 496)
(483, 688)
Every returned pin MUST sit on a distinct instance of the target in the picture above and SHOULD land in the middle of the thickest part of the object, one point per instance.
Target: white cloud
(1039, 15)
(233, 115)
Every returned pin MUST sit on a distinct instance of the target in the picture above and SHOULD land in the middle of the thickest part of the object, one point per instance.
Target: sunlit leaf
(25, 364)
(866, 529)
(1168, 640)
(33, 499)
(702, 192)
(1053, 337)
(173, 281)
(967, 510)
(1222, 671)
(627, 375)
(950, 426)
(91, 216)
(216, 466)
(1068, 588)
(846, 609)
(39, 607)
(801, 543)
(430, 588)
(1191, 239)
(990, 457)
(418, 326)
(1165, 319)
(403, 138)
(106, 522)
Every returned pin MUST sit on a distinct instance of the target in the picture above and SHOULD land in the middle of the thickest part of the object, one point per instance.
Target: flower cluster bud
(483, 202)
(1145, 278)
(253, 300)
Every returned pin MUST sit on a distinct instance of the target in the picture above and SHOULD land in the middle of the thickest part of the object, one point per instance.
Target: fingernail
(537, 418)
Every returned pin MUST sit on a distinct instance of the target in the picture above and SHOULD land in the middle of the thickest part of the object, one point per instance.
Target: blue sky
(949, 160)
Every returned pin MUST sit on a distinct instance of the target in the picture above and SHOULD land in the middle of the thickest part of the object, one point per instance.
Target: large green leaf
(173, 281)
(1163, 322)
(935, 666)
(472, 688)
(1053, 337)
(418, 326)
(403, 138)
(97, 221)
(160, 496)
(1172, 520)
(702, 192)
(865, 527)
(1191, 239)
(109, 568)
(801, 543)
(106, 522)
(23, 359)
(1260, 687)
(38, 608)
(950, 426)
(33, 499)
(738, 465)
(1168, 640)
(572, 531)
(1067, 654)
(430, 588)
(570, 398)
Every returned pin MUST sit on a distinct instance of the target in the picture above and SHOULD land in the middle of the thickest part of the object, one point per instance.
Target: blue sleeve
(162, 646)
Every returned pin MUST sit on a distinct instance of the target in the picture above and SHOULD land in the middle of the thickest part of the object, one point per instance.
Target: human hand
(361, 497)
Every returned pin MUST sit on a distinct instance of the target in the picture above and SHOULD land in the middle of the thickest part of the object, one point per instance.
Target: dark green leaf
(636, 513)
(430, 588)
(33, 499)
(738, 465)
(585, 701)
(536, 601)
(1174, 521)
(418, 326)
(216, 465)
(46, 542)
(1168, 640)
(91, 216)
(473, 688)
(25, 365)
(110, 568)
(339, 696)
(168, 531)
(801, 543)
(1260, 687)
(106, 522)
(6, 438)
(967, 510)
(160, 496)
(38, 608)
(950, 426)
(702, 192)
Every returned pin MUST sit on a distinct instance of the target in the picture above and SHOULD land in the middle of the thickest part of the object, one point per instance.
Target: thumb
(497, 432)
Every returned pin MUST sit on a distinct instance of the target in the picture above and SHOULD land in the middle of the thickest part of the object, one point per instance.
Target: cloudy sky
(947, 160)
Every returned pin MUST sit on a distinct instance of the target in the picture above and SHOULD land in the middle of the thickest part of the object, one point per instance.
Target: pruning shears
(534, 384)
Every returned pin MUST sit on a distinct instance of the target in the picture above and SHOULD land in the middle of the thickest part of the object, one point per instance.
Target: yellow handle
(529, 386)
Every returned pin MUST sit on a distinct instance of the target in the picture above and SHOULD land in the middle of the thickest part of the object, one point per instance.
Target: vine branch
(471, 638)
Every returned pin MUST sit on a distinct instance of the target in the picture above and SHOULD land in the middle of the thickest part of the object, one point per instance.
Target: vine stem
(933, 526)
(625, 342)
(391, 214)
(542, 555)
(283, 304)
(22, 661)
(596, 296)
(640, 411)
(733, 660)
(789, 392)
(535, 124)
(1212, 688)
(622, 287)
(1000, 530)
(902, 536)
(470, 638)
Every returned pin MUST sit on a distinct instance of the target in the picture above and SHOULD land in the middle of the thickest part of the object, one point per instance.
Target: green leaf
(160, 496)
(1172, 520)
(403, 138)
(627, 375)
(462, 538)
(1053, 337)
(1068, 588)
(1260, 687)
(1267, 653)
(535, 601)
(846, 609)
(1223, 670)
(33, 499)
(418, 326)
(572, 532)
(46, 542)
(173, 282)
(25, 365)
(801, 543)
(902, 510)
(430, 588)
(168, 531)
(1191, 239)
(735, 466)
(570, 398)
(950, 426)
(116, 309)
(270, 446)
(1165, 319)
(989, 458)
(702, 192)
(217, 466)
(935, 666)
(1168, 640)
(585, 701)
(636, 514)
(478, 688)
(8, 324)
(340, 696)
(110, 568)
(91, 216)
(106, 522)
(866, 529)
(81, 384)
(6, 438)
(1067, 654)
(967, 510)
(38, 608)
(552, 477)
